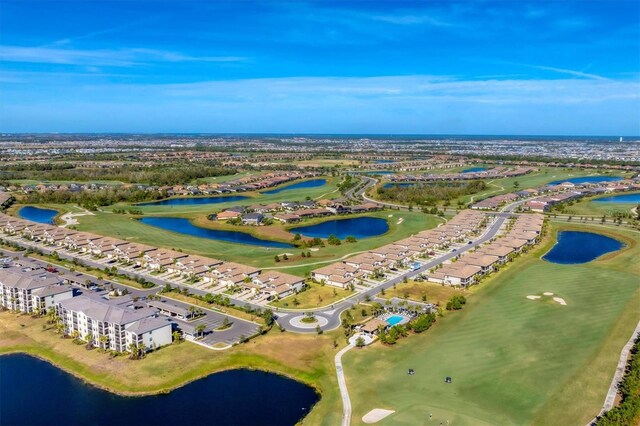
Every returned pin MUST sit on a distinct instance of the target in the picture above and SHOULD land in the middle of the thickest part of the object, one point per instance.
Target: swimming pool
(395, 319)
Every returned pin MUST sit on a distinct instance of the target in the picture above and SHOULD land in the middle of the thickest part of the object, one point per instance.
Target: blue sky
(472, 67)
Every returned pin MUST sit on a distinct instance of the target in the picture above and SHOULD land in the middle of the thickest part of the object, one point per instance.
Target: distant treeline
(170, 174)
(430, 194)
(543, 159)
(93, 199)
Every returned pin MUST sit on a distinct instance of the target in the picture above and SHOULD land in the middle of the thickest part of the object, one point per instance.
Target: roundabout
(298, 322)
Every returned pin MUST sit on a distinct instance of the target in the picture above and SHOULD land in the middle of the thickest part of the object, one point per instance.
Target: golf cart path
(342, 383)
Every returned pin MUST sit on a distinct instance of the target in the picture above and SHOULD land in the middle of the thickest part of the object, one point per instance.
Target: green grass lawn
(300, 194)
(126, 227)
(412, 290)
(512, 360)
(588, 207)
(315, 296)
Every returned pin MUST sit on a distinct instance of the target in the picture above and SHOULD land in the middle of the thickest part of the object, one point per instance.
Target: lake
(37, 393)
(193, 201)
(474, 170)
(37, 214)
(626, 198)
(184, 226)
(580, 247)
(360, 227)
(586, 179)
(314, 183)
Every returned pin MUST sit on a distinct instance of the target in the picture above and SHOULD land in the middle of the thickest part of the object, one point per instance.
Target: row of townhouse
(549, 195)
(484, 260)
(153, 259)
(493, 173)
(289, 212)
(109, 324)
(401, 253)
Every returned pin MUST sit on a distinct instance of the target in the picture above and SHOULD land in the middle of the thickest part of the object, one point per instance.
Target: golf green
(512, 360)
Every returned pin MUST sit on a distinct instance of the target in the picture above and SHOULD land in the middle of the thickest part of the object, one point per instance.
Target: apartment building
(114, 324)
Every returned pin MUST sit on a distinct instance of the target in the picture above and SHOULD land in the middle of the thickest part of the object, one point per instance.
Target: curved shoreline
(163, 391)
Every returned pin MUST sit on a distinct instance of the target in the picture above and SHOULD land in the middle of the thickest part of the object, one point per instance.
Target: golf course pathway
(342, 383)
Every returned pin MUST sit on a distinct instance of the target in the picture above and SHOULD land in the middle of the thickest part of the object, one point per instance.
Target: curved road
(283, 316)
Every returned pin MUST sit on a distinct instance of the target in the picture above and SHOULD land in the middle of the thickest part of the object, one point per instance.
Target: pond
(360, 227)
(580, 247)
(626, 198)
(37, 214)
(314, 183)
(474, 170)
(37, 393)
(586, 179)
(184, 226)
(193, 201)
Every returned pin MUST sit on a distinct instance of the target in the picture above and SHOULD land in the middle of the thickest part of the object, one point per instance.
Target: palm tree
(200, 329)
(104, 340)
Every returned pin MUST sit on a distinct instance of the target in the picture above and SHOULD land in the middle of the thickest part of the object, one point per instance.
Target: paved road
(342, 384)
(283, 316)
(332, 314)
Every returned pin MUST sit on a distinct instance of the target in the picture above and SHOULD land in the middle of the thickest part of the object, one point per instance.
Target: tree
(200, 329)
(276, 258)
(423, 322)
(350, 239)
(360, 342)
(456, 302)
(318, 329)
(268, 317)
(333, 240)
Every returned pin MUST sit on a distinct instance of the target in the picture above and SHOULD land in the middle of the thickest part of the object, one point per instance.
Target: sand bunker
(375, 415)
(558, 300)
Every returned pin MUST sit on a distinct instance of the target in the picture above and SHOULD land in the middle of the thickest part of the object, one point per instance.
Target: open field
(512, 360)
(126, 227)
(434, 293)
(222, 179)
(313, 297)
(330, 190)
(307, 358)
(587, 207)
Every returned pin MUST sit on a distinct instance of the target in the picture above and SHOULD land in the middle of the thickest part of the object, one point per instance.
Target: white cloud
(105, 57)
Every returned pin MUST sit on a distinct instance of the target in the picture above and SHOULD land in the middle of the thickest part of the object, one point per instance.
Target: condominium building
(114, 324)
(24, 289)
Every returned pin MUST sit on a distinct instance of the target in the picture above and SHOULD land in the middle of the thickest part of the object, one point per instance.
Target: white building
(24, 289)
(114, 324)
